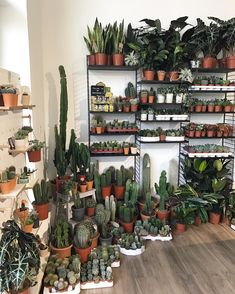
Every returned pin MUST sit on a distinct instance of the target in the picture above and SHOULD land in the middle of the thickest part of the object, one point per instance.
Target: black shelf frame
(164, 120)
(206, 112)
(161, 142)
(112, 67)
(115, 134)
(114, 155)
(165, 82)
(111, 112)
(160, 104)
(212, 70)
(211, 91)
(206, 138)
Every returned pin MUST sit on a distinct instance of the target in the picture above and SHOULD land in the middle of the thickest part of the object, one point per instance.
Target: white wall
(62, 26)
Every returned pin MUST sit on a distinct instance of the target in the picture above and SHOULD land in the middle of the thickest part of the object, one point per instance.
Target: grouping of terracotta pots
(149, 75)
(212, 62)
(104, 59)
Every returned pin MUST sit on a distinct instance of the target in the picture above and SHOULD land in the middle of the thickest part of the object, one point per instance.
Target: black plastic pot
(106, 241)
(78, 213)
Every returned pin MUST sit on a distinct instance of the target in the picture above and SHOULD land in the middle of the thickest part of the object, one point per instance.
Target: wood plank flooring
(200, 261)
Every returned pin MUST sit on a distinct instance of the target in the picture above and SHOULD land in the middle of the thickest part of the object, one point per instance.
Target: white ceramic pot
(25, 100)
(169, 98)
(151, 116)
(161, 98)
(143, 116)
(133, 150)
(20, 144)
(179, 98)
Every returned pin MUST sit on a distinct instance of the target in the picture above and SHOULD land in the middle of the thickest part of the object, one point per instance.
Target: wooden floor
(202, 260)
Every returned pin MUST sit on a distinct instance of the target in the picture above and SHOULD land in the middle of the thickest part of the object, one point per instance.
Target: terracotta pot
(6, 187)
(34, 156)
(24, 291)
(173, 75)
(60, 181)
(61, 252)
(203, 108)
(83, 253)
(149, 75)
(128, 227)
(28, 228)
(42, 210)
(163, 214)
(105, 191)
(22, 215)
(144, 99)
(210, 108)
(126, 108)
(225, 220)
(10, 100)
(99, 130)
(198, 108)
(230, 62)
(228, 108)
(218, 108)
(191, 133)
(94, 242)
(134, 107)
(119, 192)
(144, 217)
(210, 133)
(126, 150)
(101, 59)
(13, 183)
(214, 218)
(151, 99)
(161, 75)
(209, 62)
(219, 134)
(180, 228)
(197, 221)
(90, 211)
(203, 133)
(91, 59)
(83, 188)
(162, 137)
(118, 59)
(197, 134)
(89, 185)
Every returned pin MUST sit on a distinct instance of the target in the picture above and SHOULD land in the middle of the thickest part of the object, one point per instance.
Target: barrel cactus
(82, 237)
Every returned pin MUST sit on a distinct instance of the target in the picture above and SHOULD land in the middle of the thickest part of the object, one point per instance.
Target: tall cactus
(63, 106)
(119, 181)
(134, 193)
(59, 155)
(146, 175)
(97, 186)
(41, 192)
(113, 208)
(82, 237)
(162, 190)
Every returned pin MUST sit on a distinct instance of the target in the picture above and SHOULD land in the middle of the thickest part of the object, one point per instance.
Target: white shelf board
(13, 194)
(15, 152)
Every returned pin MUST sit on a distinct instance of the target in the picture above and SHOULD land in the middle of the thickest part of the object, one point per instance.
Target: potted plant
(27, 224)
(161, 75)
(133, 148)
(126, 217)
(198, 106)
(61, 238)
(118, 42)
(41, 202)
(83, 186)
(126, 106)
(91, 225)
(82, 242)
(162, 134)
(105, 181)
(198, 131)
(10, 96)
(119, 187)
(143, 115)
(150, 114)
(210, 106)
(143, 96)
(8, 180)
(34, 154)
(90, 207)
(162, 192)
(227, 104)
(218, 105)
(174, 135)
(216, 201)
(126, 148)
(21, 139)
(185, 214)
(78, 209)
(19, 247)
(134, 104)
(169, 94)
(161, 95)
(148, 210)
(151, 96)
(102, 218)
(89, 40)
(210, 130)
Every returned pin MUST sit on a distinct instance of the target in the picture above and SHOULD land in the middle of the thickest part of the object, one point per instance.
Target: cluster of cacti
(90, 224)
(105, 179)
(8, 174)
(148, 204)
(82, 237)
(61, 238)
(96, 270)
(162, 190)
(110, 205)
(152, 226)
(109, 253)
(127, 173)
(131, 241)
(146, 175)
(62, 272)
(126, 213)
(130, 91)
(90, 202)
(41, 192)
(131, 192)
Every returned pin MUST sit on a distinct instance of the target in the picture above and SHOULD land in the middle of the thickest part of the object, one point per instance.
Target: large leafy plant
(19, 258)
(185, 213)
(149, 45)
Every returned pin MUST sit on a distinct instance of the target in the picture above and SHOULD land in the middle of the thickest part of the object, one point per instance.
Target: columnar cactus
(130, 91)
(146, 175)
(82, 237)
(162, 190)
(63, 106)
(119, 178)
